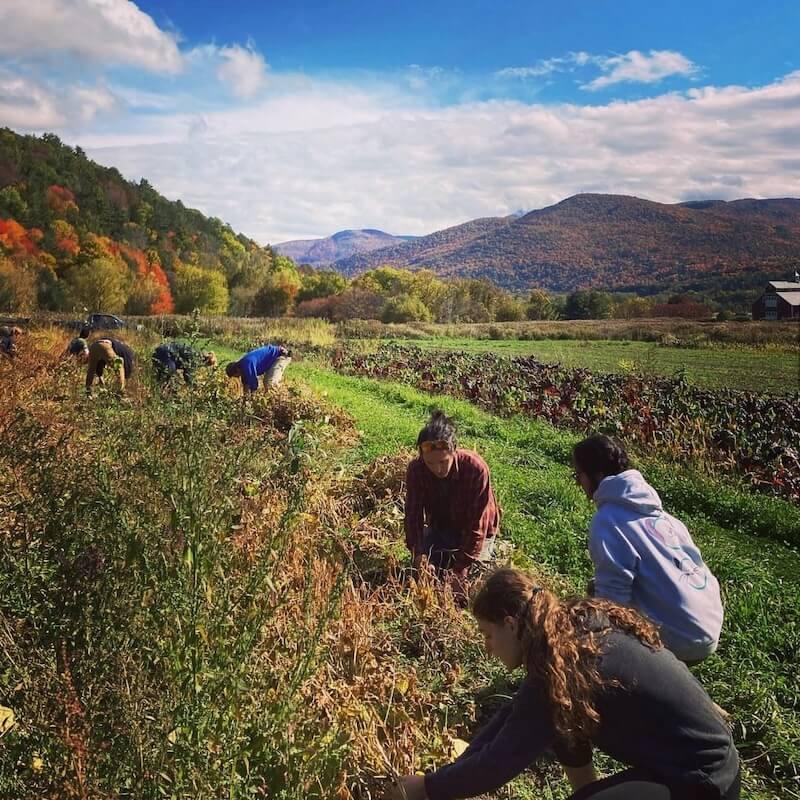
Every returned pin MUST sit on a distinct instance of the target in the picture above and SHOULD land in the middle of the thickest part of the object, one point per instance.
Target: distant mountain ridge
(343, 244)
(610, 241)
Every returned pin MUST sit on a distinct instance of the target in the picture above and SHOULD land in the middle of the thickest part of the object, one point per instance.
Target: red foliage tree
(148, 265)
(16, 240)
(61, 200)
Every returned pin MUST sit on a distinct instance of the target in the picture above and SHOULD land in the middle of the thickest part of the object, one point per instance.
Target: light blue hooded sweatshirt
(645, 558)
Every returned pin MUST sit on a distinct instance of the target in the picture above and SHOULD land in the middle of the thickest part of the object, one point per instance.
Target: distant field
(684, 332)
(747, 368)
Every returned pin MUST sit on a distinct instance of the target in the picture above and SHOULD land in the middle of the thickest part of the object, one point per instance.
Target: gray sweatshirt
(645, 558)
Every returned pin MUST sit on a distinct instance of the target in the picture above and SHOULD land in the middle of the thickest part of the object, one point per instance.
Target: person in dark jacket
(109, 353)
(597, 676)
(170, 358)
(79, 348)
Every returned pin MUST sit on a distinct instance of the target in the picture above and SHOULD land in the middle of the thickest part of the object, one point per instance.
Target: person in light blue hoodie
(644, 557)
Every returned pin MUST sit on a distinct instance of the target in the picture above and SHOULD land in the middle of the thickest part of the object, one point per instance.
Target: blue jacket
(645, 558)
(256, 363)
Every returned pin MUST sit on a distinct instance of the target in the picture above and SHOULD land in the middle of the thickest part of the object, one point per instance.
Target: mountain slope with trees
(612, 242)
(424, 250)
(76, 235)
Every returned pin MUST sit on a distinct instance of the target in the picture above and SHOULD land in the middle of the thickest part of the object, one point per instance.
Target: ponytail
(561, 642)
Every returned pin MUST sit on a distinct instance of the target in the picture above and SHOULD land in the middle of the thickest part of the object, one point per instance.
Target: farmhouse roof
(791, 299)
(785, 286)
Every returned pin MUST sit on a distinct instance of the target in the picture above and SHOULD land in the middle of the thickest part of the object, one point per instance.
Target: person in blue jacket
(269, 361)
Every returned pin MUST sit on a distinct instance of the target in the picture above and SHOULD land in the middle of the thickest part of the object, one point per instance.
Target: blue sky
(739, 42)
(292, 120)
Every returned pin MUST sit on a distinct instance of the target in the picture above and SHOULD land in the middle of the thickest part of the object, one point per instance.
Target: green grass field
(546, 517)
(774, 369)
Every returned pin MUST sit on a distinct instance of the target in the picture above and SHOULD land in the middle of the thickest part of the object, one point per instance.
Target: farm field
(546, 517)
(772, 369)
(241, 575)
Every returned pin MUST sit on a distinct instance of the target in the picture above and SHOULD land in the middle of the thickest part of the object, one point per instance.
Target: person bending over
(596, 675)
(170, 358)
(109, 353)
(270, 361)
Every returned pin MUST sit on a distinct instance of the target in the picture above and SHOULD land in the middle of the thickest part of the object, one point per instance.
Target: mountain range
(344, 244)
(610, 242)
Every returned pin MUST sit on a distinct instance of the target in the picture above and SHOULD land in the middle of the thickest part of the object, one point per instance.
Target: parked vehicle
(103, 322)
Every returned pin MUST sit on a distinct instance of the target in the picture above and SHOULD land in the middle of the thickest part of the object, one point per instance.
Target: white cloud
(29, 104)
(632, 67)
(544, 68)
(323, 157)
(103, 31)
(88, 101)
(243, 70)
(547, 66)
(26, 104)
(420, 78)
(637, 67)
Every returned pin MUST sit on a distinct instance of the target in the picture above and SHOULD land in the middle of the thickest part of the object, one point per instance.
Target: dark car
(102, 322)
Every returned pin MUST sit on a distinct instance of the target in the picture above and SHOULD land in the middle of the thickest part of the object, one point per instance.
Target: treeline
(74, 234)
(389, 294)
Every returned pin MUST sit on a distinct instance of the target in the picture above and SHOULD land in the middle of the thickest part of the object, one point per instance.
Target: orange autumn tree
(65, 238)
(16, 240)
(150, 292)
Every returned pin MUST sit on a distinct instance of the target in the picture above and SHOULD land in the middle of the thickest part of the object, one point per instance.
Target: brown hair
(561, 642)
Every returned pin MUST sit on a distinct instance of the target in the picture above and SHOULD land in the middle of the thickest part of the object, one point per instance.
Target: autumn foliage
(17, 240)
(67, 223)
(61, 200)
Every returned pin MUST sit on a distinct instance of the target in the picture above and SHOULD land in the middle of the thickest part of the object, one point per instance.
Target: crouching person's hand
(411, 787)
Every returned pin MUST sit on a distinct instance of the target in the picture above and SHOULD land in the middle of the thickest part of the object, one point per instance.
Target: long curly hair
(561, 642)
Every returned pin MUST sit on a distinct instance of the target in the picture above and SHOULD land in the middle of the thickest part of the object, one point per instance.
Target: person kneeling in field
(270, 361)
(109, 353)
(644, 557)
(451, 515)
(596, 675)
(169, 358)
